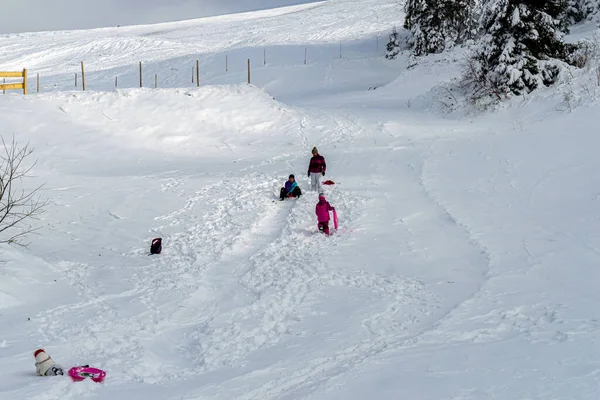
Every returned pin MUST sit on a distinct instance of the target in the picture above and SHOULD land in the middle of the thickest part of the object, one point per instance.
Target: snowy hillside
(464, 267)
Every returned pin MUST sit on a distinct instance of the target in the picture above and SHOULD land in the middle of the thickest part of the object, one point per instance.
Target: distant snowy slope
(328, 21)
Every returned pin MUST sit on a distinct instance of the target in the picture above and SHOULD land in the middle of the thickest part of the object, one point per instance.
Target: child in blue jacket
(291, 189)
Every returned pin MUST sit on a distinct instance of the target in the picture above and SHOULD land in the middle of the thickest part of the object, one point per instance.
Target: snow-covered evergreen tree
(579, 10)
(393, 46)
(463, 15)
(591, 9)
(437, 25)
(573, 12)
(523, 40)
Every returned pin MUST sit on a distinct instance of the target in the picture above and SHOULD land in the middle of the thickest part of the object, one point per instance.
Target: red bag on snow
(156, 246)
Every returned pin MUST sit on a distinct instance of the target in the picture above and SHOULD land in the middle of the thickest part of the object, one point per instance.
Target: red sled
(328, 182)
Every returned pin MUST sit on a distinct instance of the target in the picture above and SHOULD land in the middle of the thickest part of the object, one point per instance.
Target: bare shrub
(568, 101)
(18, 206)
(481, 88)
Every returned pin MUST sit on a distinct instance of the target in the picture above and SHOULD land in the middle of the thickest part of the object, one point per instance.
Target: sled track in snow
(389, 330)
(239, 278)
(159, 288)
(278, 272)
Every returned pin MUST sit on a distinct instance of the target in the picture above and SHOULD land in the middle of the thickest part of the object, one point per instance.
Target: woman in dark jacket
(316, 169)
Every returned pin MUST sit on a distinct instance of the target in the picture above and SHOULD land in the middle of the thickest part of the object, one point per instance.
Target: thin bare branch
(17, 205)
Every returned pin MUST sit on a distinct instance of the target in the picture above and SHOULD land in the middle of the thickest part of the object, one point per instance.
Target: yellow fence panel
(8, 86)
(11, 74)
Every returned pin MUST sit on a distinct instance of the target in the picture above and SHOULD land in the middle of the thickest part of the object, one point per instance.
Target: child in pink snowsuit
(322, 210)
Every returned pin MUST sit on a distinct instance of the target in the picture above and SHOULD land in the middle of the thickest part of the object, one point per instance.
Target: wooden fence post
(116, 82)
(305, 51)
(4, 91)
(82, 76)
(248, 71)
(24, 81)
(38, 82)
(141, 74)
(197, 73)
(75, 79)
(155, 81)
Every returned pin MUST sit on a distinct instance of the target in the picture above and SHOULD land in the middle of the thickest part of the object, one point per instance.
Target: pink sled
(80, 373)
(335, 220)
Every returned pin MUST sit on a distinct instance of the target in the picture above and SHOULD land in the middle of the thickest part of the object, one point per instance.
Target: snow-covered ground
(465, 266)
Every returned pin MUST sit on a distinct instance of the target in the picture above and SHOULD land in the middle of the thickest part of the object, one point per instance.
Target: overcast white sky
(42, 15)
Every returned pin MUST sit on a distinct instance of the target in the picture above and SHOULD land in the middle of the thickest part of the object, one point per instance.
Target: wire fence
(53, 81)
